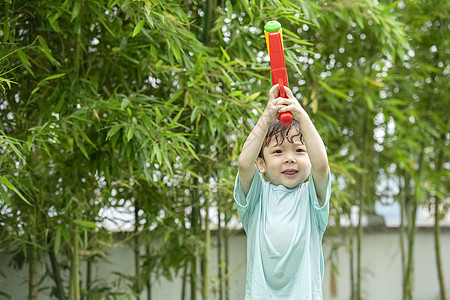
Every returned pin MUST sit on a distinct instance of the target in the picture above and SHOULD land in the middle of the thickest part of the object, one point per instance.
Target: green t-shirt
(284, 239)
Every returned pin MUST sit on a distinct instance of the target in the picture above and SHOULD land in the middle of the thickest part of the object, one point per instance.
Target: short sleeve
(321, 212)
(246, 205)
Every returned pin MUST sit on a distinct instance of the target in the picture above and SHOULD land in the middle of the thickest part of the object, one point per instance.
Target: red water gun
(274, 40)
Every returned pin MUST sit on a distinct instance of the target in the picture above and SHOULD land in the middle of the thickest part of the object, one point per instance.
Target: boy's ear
(261, 164)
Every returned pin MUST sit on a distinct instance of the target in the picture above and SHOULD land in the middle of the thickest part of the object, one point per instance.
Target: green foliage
(145, 105)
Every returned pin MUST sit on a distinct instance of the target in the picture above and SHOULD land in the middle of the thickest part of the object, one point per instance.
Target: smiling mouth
(290, 172)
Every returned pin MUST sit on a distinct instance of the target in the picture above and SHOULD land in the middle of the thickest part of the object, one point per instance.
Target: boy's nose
(289, 158)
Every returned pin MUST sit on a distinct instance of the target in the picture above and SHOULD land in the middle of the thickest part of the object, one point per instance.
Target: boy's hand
(289, 104)
(273, 108)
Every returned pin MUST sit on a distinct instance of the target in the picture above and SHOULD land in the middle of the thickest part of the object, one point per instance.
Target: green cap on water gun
(272, 26)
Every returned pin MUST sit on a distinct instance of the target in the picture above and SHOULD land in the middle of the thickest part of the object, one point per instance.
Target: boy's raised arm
(313, 142)
(254, 141)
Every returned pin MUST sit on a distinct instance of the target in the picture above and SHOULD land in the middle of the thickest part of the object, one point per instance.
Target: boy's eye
(300, 150)
(277, 151)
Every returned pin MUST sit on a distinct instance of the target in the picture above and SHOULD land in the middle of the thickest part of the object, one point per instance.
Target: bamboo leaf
(247, 8)
(376, 83)
(25, 61)
(46, 50)
(241, 62)
(16, 151)
(86, 224)
(158, 114)
(112, 3)
(138, 28)
(229, 10)
(54, 76)
(174, 97)
(29, 142)
(177, 117)
(130, 133)
(235, 93)
(125, 103)
(60, 104)
(113, 131)
(195, 113)
(35, 90)
(293, 61)
(10, 186)
(369, 101)
(294, 37)
(331, 90)
(225, 54)
(79, 143)
(192, 152)
(84, 136)
(76, 10)
(167, 236)
(4, 194)
(157, 153)
(254, 96)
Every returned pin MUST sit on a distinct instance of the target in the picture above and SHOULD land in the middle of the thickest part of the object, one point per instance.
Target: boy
(285, 219)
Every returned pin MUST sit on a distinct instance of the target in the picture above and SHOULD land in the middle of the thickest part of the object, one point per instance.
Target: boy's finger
(285, 108)
(274, 91)
(289, 93)
(283, 101)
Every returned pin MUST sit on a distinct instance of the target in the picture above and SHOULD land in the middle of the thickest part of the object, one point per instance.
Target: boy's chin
(287, 183)
(290, 185)
(293, 185)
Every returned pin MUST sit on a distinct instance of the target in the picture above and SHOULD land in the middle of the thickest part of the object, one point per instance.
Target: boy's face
(287, 164)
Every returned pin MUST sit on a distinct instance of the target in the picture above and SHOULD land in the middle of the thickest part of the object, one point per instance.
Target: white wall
(381, 259)
(381, 274)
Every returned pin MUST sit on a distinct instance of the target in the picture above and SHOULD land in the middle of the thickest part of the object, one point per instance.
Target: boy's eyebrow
(274, 146)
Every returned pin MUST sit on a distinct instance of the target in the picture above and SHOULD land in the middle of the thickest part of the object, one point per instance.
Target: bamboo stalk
(363, 195)
(137, 279)
(437, 248)
(56, 274)
(352, 267)
(183, 286)
(193, 278)
(194, 227)
(437, 233)
(411, 203)
(209, 6)
(74, 287)
(219, 253)
(149, 281)
(402, 224)
(33, 280)
(358, 253)
(407, 201)
(207, 252)
(88, 277)
(227, 259)
(410, 263)
(6, 24)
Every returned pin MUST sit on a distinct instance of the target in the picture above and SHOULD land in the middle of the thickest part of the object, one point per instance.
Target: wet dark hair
(280, 133)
